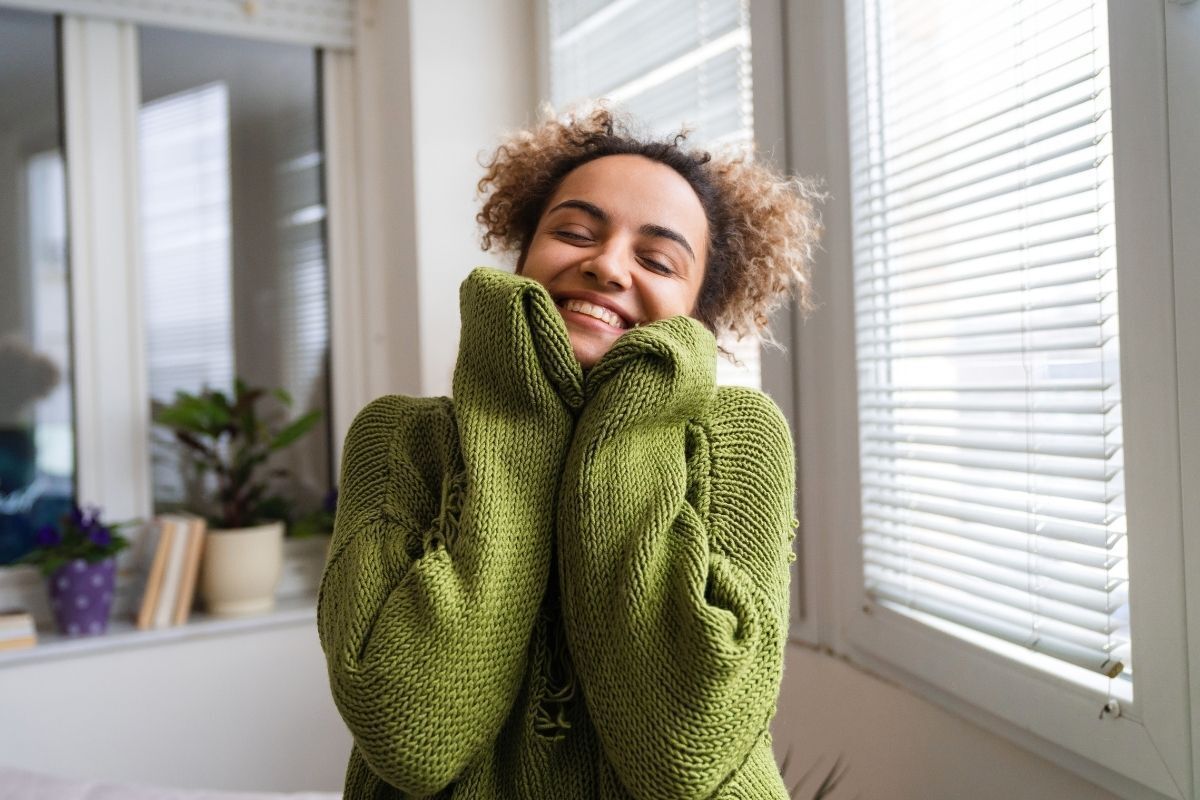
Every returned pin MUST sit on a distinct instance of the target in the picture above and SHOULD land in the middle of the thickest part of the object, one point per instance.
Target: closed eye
(571, 236)
(658, 267)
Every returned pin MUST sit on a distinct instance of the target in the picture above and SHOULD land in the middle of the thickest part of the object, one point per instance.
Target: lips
(597, 300)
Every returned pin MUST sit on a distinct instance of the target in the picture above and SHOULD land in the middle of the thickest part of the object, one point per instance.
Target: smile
(593, 311)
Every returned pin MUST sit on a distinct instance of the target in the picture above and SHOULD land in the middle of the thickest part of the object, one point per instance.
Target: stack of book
(171, 581)
(17, 630)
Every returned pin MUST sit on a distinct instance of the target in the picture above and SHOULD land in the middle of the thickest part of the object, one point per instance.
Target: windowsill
(124, 635)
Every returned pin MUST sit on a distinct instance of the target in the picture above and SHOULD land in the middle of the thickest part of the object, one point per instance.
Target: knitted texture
(553, 586)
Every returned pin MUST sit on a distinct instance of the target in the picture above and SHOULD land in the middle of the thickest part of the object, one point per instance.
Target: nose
(608, 268)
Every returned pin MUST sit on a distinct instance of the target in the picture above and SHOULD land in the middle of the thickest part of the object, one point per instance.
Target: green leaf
(283, 396)
(295, 430)
(194, 414)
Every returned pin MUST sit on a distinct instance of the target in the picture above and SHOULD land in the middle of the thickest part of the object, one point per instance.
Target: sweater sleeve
(674, 530)
(441, 549)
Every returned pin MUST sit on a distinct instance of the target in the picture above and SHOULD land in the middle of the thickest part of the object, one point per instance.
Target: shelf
(124, 635)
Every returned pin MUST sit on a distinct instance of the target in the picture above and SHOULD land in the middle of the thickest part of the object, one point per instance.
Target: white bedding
(19, 784)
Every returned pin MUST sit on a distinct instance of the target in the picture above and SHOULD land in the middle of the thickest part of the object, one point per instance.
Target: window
(670, 64)
(92, 240)
(988, 349)
(1128, 733)
(233, 247)
(37, 460)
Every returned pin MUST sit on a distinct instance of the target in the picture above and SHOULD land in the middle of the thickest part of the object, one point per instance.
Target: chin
(587, 354)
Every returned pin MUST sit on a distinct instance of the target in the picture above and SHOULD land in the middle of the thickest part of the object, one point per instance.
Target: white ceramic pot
(240, 569)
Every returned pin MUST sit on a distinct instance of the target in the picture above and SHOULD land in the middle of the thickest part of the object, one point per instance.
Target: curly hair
(763, 227)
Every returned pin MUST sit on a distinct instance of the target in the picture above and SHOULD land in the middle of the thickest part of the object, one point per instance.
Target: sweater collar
(512, 319)
(680, 346)
(672, 361)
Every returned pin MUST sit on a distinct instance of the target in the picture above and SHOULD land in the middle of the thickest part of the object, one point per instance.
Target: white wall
(473, 79)
(896, 746)
(470, 76)
(249, 711)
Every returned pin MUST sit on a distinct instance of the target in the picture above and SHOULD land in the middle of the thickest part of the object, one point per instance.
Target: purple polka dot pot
(81, 596)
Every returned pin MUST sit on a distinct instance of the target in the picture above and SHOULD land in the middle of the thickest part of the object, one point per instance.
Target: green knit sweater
(562, 586)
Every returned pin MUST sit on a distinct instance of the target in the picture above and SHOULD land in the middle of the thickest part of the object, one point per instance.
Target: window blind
(319, 23)
(187, 241)
(987, 341)
(187, 253)
(670, 64)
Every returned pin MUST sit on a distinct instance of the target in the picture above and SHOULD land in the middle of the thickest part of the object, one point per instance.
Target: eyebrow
(648, 229)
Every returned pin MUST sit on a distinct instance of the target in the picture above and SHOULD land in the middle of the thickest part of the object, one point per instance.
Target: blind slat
(1097, 579)
(1020, 205)
(1075, 268)
(908, 85)
(1050, 161)
(982, 477)
(1072, 447)
(1086, 608)
(1010, 607)
(898, 486)
(1081, 294)
(906, 416)
(954, 611)
(1079, 533)
(1015, 126)
(1042, 465)
(1086, 340)
(1097, 557)
(869, 224)
(1010, 327)
(1017, 247)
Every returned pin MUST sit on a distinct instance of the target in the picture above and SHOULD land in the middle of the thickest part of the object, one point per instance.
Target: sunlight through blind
(187, 252)
(989, 387)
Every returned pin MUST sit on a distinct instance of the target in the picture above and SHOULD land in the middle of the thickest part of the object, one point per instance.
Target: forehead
(635, 190)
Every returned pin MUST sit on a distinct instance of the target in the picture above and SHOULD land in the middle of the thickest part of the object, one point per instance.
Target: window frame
(1147, 745)
(779, 369)
(100, 88)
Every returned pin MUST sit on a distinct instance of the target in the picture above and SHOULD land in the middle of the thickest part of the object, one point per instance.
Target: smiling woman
(571, 578)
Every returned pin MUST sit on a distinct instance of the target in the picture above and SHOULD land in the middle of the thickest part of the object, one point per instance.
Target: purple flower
(47, 536)
(99, 535)
(92, 518)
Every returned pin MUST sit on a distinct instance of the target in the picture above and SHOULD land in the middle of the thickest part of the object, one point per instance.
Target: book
(154, 578)
(15, 618)
(164, 608)
(17, 630)
(184, 600)
(20, 643)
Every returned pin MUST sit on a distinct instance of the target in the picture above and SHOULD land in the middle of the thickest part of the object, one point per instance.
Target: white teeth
(599, 312)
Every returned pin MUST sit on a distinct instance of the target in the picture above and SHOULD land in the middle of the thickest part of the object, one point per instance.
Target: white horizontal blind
(319, 23)
(986, 322)
(187, 253)
(668, 62)
(671, 64)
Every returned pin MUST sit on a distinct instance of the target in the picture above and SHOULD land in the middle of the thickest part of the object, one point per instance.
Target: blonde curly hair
(763, 227)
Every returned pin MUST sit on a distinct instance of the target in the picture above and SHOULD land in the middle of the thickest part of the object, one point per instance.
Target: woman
(571, 579)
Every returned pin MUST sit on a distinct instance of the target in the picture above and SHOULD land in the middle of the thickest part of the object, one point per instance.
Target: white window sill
(124, 635)
(295, 604)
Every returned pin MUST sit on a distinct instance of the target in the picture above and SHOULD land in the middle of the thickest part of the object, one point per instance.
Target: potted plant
(78, 559)
(228, 444)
